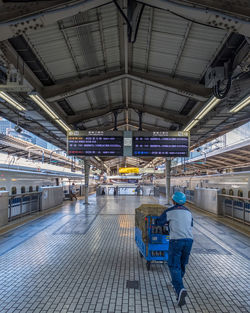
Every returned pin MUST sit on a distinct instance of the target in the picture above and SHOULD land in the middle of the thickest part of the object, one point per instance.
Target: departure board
(160, 144)
(95, 143)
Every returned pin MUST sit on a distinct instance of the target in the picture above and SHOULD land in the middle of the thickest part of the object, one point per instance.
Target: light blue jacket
(180, 222)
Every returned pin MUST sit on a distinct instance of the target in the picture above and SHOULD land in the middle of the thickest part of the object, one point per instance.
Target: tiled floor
(78, 259)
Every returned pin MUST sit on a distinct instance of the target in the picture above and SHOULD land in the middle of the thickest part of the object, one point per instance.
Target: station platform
(78, 258)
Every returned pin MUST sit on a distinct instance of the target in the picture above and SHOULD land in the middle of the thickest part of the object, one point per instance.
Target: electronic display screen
(160, 144)
(91, 143)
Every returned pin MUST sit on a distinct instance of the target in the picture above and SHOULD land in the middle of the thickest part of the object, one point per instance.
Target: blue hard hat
(179, 197)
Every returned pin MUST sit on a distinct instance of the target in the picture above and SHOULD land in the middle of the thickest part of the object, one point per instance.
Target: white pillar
(168, 168)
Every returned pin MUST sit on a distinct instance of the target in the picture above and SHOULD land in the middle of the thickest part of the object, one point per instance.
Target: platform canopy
(137, 63)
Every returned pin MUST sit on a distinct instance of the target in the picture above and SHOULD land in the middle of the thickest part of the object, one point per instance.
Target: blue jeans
(178, 255)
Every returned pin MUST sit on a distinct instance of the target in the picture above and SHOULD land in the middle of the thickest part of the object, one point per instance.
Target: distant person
(72, 192)
(180, 222)
(138, 190)
(103, 192)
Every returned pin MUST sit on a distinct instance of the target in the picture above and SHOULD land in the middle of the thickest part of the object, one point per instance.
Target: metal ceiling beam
(12, 57)
(164, 114)
(224, 159)
(126, 62)
(134, 124)
(213, 13)
(238, 156)
(182, 47)
(235, 8)
(87, 114)
(74, 86)
(198, 139)
(176, 85)
(31, 17)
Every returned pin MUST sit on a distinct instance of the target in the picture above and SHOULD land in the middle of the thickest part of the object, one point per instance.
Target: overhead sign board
(160, 144)
(128, 143)
(95, 143)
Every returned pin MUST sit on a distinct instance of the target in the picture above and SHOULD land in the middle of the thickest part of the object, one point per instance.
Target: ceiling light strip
(208, 107)
(11, 101)
(44, 106)
(241, 105)
(48, 110)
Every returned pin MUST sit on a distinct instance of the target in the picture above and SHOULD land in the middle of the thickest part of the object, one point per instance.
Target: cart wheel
(141, 255)
(148, 265)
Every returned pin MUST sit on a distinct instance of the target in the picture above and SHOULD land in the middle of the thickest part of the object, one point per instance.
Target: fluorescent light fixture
(11, 101)
(241, 105)
(35, 97)
(208, 107)
(191, 125)
(98, 159)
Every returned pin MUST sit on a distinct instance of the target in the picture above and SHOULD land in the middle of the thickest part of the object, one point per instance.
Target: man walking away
(180, 222)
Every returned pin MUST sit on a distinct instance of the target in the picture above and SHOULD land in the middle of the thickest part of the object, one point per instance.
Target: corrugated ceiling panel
(199, 50)
(86, 46)
(175, 102)
(139, 58)
(106, 119)
(162, 123)
(133, 115)
(161, 62)
(91, 123)
(50, 46)
(99, 97)
(137, 92)
(149, 119)
(167, 34)
(109, 15)
(111, 45)
(79, 102)
(167, 22)
(116, 92)
(166, 43)
(140, 47)
(154, 96)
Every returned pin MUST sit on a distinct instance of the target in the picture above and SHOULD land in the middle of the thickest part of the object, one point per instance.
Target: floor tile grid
(204, 279)
(49, 286)
(132, 243)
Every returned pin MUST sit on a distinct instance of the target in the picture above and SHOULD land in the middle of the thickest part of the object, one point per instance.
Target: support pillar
(168, 168)
(4, 202)
(86, 168)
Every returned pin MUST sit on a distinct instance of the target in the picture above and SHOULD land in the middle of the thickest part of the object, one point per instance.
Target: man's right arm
(161, 220)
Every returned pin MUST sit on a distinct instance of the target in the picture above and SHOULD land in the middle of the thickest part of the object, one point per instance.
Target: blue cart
(157, 242)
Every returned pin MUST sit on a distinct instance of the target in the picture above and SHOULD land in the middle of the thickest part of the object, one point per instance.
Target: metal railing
(237, 208)
(23, 204)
